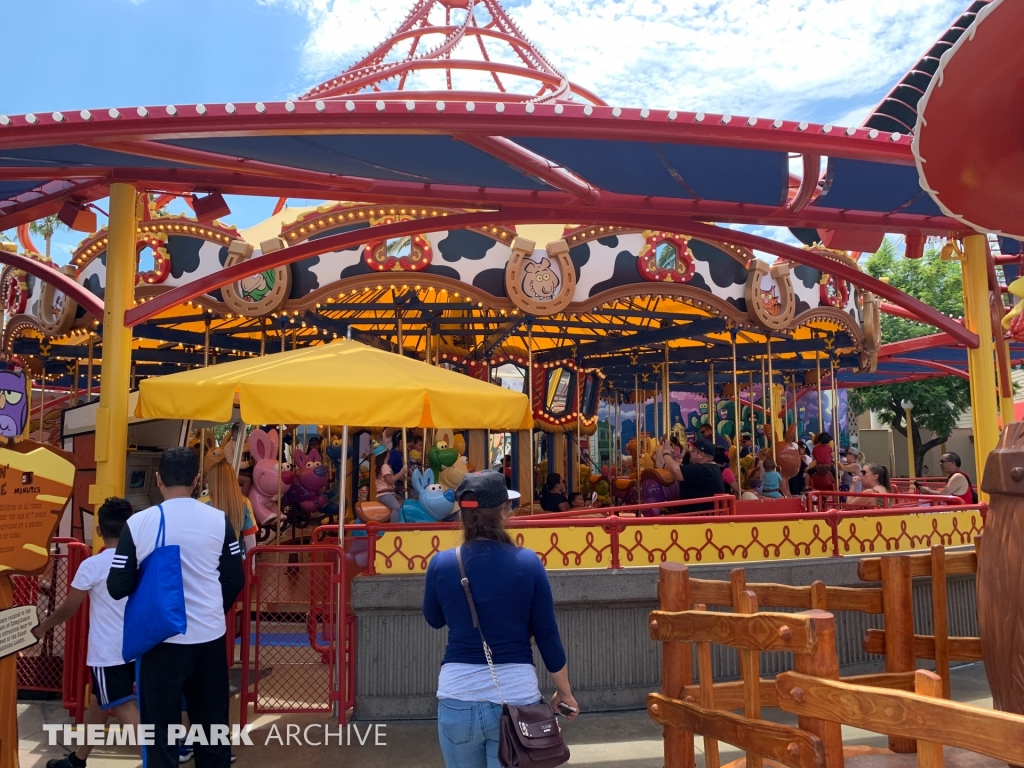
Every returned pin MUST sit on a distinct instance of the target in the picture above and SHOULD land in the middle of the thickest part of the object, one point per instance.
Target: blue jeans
(468, 732)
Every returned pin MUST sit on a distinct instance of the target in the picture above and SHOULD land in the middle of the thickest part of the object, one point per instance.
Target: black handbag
(529, 736)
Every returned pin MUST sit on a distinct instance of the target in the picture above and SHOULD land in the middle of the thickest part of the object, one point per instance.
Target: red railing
(906, 485)
(820, 501)
(56, 664)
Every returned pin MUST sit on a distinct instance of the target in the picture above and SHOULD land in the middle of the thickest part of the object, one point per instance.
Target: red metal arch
(184, 293)
(87, 300)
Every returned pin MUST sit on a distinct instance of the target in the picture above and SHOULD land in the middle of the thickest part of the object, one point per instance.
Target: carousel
(501, 271)
(447, 244)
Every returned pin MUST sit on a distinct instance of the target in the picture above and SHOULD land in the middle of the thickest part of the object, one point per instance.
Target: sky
(815, 60)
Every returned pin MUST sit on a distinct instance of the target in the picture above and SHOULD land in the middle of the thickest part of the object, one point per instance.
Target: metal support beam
(112, 413)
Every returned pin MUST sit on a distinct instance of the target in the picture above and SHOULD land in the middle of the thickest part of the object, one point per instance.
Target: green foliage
(46, 228)
(939, 402)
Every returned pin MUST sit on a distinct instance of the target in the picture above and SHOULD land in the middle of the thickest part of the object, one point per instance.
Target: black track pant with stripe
(200, 672)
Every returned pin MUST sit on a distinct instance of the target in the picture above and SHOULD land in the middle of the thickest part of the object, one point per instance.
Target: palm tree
(46, 228)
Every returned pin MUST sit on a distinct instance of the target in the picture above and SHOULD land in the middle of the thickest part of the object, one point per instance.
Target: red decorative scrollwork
(833, 291)
(400, 254)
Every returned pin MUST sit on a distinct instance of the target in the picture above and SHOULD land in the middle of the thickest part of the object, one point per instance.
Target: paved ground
(627, 739)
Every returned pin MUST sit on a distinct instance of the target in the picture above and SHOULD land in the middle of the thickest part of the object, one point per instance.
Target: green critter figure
(255, 287)
(726, 425)
(441, 456)
(695, 418)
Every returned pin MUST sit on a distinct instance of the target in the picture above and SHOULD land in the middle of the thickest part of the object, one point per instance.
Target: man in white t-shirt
(194, 663)
(113, 680)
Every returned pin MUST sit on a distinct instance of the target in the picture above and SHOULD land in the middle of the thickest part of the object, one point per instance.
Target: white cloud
(774, 58)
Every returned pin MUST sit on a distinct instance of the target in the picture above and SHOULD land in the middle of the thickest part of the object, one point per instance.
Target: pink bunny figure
(266, 485)
(310, 477)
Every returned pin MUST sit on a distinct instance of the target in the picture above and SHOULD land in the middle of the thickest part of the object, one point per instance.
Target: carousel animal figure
(306, 492)
(447, 459)
(270, 478)
(433, 503)
(657, 484)
(787, 455)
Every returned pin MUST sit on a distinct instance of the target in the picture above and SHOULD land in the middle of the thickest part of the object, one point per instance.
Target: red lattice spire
(484, 40)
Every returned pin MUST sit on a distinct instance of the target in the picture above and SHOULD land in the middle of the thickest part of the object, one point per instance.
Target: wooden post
(707, 695)
(940, 624)
(737, 583)
(819, 600)
(824, 663)
(929, 754)
(750, 672)
(898, 610)
(676, 661)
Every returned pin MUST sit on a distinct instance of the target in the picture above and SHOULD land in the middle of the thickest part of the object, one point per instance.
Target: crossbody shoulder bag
(529, 736)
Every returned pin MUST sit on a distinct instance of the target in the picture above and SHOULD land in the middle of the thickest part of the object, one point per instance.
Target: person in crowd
(506, 470)
(822, 451)
(510, 589)
(799, 482)
(698, 479)
(958, 482)
(850, 467)
(772, 486)
(552, 497)
(113, 679)
(396, 460)
(415, 452)
(728, 476)
(746, 445)
(874, 478)
(719, 441)
(925, 470)
(576, 501)
(193, 663)
(385, 481)
(677, 448)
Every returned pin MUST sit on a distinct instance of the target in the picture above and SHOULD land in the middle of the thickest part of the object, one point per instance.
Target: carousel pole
(711, 400)
(821, 413)
(771, 399)
(736, 415)
(636, 428)
(753, 423)
(666, 396)
(764, 403)
(88, 373)
(405, 434)
(115, 371)
(74, 390)
(835, 419)
(42, 399)
(529, 387)
(263, 336)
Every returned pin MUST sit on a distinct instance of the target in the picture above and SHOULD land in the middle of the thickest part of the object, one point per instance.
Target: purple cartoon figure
(13, 403)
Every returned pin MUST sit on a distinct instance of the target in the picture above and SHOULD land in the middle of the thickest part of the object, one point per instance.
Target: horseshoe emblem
(769, 293)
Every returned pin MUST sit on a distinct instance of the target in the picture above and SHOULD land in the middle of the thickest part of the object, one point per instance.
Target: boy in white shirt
(113, 681)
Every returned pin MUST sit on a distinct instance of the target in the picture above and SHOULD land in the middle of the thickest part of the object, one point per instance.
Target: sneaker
(233, 757)
(184, 753)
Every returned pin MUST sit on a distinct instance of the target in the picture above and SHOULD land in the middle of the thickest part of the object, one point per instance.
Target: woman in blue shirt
(513, 601)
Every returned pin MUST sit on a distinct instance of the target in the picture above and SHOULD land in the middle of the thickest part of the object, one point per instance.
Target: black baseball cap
(704, 446)
(488, 487)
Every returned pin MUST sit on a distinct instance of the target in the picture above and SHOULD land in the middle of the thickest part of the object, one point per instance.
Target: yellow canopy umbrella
(344, 382)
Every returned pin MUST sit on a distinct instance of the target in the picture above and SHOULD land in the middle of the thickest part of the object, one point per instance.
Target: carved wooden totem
(1001, 572)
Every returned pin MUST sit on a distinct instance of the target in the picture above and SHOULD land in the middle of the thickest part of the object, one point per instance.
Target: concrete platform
(627, 739)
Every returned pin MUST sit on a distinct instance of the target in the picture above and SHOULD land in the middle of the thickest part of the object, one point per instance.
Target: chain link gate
(298, 648)
(56, 664)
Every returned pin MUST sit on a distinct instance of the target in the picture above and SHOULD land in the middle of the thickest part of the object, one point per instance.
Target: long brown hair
(483, 522)
(882, 472)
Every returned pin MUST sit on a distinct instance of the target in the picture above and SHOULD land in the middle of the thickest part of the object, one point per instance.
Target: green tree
(46, 228)
(938, 402)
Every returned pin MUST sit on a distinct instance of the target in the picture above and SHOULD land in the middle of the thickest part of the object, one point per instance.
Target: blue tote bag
(156, 609)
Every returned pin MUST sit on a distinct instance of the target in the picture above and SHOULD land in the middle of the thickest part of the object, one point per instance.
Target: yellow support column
(119, 296)
(980, 361)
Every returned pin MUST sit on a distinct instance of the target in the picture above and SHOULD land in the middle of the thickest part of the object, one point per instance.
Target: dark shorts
(113, 685)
